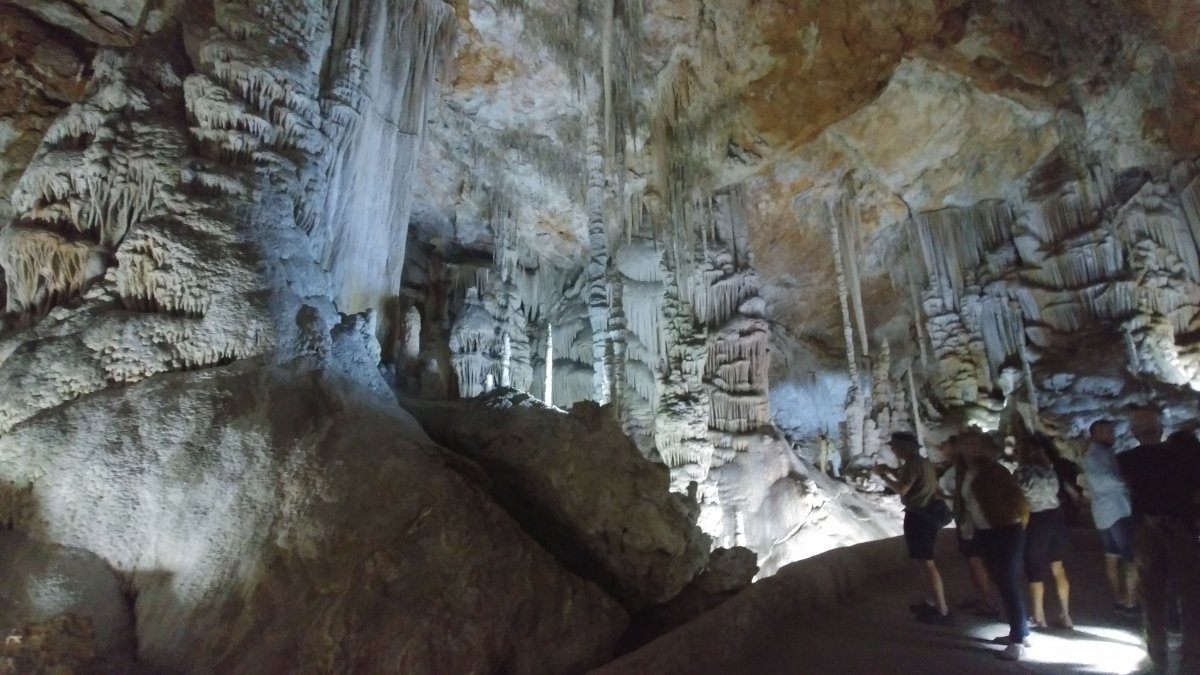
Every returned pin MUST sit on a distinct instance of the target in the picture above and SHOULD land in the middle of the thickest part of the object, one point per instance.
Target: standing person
(950, 486)
(1046, 534)
(1112, 513)
(998, 510)
(1164, 484)
(1069, 498)
(924, 514)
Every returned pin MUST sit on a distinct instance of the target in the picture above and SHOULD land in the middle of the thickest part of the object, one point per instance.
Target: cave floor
(874, 633)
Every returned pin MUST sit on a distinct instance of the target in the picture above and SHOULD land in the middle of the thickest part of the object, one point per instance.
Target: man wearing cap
(1164, 482)
(924, 514)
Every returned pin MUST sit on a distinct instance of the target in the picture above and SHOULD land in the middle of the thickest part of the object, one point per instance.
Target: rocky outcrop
(729, 569)
(581, 488)
(275, 521)
(49, 589)
(64, 644)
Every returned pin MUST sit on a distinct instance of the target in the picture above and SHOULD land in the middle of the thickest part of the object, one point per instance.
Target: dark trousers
(1168, 551)
(1003, 553)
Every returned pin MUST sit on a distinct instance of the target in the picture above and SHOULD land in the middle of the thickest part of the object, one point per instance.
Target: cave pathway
(874, 633)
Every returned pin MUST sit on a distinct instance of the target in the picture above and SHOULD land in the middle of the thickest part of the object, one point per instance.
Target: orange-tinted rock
(831, 58)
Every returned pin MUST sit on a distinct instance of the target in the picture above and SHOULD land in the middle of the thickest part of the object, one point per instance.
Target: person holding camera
(915, 480)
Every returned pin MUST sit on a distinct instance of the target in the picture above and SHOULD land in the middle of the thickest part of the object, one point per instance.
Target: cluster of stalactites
(953, 243)
(91, 180)
(1002, 281)
(489, 342)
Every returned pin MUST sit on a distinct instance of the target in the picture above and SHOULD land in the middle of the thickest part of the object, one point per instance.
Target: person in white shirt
(1113, 513)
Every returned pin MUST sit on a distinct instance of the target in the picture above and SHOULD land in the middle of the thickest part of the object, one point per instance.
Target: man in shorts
(924, 514)
(1113, 514)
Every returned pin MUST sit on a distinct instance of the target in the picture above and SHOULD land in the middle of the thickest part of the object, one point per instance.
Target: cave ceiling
(915, 106)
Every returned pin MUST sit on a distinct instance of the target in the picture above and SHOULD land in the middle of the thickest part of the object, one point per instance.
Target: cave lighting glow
(1097, 650)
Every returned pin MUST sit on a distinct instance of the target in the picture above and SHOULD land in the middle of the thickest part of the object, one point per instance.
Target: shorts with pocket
(1118, 538)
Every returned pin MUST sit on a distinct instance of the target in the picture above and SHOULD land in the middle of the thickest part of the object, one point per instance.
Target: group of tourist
(1013, 523)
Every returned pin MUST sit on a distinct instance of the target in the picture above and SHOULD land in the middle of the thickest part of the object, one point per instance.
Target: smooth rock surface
(581, 488)
(275, 522)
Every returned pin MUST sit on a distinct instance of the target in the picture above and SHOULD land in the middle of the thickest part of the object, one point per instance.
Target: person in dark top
(1164, 486)
(924, 514)
(1046, 533)
(998, 511)
(1069, 497)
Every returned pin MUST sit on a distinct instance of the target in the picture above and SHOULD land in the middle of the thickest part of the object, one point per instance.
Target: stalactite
(851, 226)
(915, 407)
(855, 413)
(955, 241)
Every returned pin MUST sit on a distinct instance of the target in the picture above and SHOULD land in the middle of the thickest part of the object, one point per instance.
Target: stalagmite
(597, 268)
(548, 391)
(506, 362)
(412, 334)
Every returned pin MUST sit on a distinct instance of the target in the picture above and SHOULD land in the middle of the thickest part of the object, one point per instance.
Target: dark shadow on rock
(60, 605)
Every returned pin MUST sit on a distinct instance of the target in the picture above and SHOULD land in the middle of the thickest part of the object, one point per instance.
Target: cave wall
(757, 235)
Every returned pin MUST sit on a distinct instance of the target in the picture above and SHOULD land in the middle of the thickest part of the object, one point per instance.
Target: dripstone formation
(430, 336)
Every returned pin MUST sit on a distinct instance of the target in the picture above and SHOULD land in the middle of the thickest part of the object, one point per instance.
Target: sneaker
(935, 619)
(1013, 652)
(1005, 640)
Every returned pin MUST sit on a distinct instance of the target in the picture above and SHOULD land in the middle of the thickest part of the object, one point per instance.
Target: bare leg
(981, 583)
(1112, 569)
(1063, 587)
(933, 579)
(1131, 583)
(1037, 592)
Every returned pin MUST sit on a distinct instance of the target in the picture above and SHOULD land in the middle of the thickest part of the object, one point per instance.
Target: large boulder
(274, 522)
(581, 488)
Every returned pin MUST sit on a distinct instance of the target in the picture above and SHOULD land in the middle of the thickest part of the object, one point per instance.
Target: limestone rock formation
(729, 569)
(45, 587)
(751, 238)
(581, 488)
(64, 644)
(275, 522)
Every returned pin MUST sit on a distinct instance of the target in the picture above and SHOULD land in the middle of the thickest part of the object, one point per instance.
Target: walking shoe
(935, 619)
(1013, 652)
(1005, 640)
